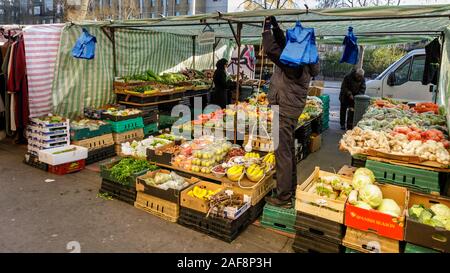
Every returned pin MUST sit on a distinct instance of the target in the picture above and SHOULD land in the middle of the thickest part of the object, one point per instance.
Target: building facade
(27, 12)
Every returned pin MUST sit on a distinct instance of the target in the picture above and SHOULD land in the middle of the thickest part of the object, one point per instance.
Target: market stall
(216, 186)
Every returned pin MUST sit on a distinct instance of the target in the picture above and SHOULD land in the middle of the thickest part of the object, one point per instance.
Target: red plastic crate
(66, 168)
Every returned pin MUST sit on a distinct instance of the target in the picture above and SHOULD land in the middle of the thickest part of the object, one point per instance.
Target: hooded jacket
(351, 86)
(288, 85)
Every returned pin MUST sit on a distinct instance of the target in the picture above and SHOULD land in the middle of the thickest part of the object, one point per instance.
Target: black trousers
(347, 116)
(285, 159)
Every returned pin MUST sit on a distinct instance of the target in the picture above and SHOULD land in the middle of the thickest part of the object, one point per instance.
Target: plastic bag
(300, 47)
(85, 46)
(351, 51)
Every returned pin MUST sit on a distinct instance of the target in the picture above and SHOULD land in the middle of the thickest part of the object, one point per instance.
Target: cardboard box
(171, 195)
(368, 242)
(318, 83)
(200, 205)
(422, 234)
(321, 206)
(316, 142)
(315, 91)
(375, 221)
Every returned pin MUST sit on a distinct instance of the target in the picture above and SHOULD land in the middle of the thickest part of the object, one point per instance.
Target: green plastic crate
(279, 218)
(85, 133)
(126, 125)
(412, 248)
(349, 250)
(151, 128)
(413, 178)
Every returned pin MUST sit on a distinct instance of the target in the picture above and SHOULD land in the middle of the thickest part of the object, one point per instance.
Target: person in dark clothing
(220, 95)
(432, 60)
(288, 89)
(352, 85)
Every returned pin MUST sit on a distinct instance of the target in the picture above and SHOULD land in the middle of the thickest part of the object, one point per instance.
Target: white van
(402, 80)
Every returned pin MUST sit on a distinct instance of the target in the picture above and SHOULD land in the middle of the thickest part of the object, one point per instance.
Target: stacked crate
(163, 203)
(326, 111)
(100, 143)
(125, 129)
(43, 135)
(194, 214)
(149, 117)
(121, 190)
(302, 141)
(278, 218)
(319, 223)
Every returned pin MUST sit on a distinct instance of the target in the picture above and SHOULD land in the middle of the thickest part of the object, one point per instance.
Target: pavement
(66, 215)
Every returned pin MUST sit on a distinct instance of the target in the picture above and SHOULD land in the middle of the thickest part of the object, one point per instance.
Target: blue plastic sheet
(85, 46)
(300, 47)
(351, 51)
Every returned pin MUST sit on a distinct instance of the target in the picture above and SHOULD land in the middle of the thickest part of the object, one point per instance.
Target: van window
(417, 68)
(402, 73)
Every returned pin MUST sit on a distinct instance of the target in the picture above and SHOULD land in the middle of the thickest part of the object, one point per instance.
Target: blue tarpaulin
(350, 54)
(300, 47)
(85, 46)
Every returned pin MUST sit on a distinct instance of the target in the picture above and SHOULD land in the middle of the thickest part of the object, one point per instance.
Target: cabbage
(441, 219)
(425, 215)
(353, 197)
(415, 211)
(371, 194)
(363, 205)
(362, 177)
(441, 210)
(390, 207)
(447, 226)
(323, 189)
(365, 172)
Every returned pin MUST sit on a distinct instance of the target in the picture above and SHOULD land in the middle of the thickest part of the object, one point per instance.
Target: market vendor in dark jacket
(352, 85)
(288, 90)
(221, 85)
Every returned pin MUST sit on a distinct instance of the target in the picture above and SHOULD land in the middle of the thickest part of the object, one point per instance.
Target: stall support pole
(238, 80)
(113, 38)
(193, 52)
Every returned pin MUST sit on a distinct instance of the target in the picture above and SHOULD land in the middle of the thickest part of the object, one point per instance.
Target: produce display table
(245, 182)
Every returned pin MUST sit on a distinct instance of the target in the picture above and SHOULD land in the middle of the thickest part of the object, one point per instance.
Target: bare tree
(355, 3)
(269, 4)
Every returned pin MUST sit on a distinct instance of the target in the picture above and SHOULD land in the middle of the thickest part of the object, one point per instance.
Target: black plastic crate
(221, 228)
(120, 192)
(149, 119)
(33, 161)
(100, 154)
(358, 162)
(307, 243)
(257, 210)
(316, 125)
(320, 227)
(143, 100)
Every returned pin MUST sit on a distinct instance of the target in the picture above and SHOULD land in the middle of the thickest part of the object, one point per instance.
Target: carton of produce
(377, 208)
(61, 155)
(368, 242)
(164, 184)
(210, 198)
(428, 221)
(324, 194)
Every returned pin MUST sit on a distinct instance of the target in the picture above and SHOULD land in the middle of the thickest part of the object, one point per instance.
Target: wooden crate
(308, 202)
(96, 142)
(137, 134)
(368, 242)
(161, 208)
(256, 191)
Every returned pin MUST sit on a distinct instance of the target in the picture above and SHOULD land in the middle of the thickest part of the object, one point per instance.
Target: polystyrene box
(52, 157)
